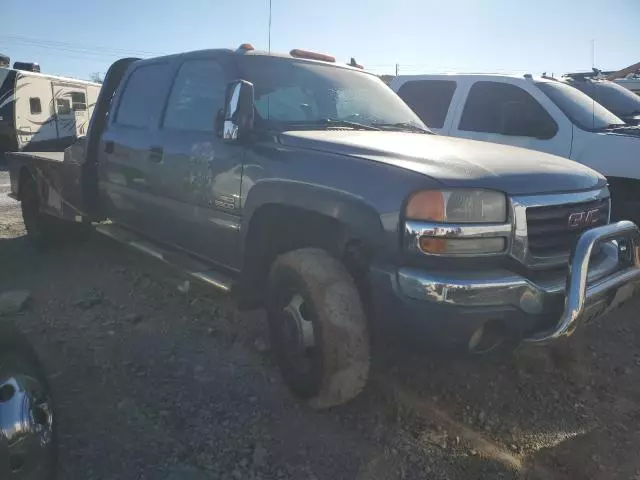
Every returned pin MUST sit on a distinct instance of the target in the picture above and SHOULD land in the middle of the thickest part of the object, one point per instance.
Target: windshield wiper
(330, 122)
(403, 127)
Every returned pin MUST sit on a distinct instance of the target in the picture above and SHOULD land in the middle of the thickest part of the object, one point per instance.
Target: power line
(73, 47)
(77, 54)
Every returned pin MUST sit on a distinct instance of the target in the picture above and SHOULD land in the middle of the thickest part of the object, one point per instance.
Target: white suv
(537, 113)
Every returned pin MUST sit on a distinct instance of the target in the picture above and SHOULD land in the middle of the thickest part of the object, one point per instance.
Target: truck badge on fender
(225, 201)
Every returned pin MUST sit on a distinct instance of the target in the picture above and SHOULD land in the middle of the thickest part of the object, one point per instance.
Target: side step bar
(192, 267)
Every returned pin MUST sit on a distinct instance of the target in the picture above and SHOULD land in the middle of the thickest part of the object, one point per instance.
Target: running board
(192, 267)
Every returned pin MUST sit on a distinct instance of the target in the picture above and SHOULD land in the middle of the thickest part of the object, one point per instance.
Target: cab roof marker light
(245, 47)
(297, 53)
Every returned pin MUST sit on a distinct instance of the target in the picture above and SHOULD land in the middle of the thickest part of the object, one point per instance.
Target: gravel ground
(155, 383)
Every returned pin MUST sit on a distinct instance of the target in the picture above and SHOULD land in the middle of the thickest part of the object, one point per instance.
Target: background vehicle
(628, 77)
(632, 83)
(42, 112)
(28, 440)
(615, 98)
(310, 188)
(536, 113)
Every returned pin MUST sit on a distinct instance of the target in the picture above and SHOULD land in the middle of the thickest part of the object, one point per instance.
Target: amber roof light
(296, 52)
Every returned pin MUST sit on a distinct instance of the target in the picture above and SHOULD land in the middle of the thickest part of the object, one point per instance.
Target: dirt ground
(155, 383)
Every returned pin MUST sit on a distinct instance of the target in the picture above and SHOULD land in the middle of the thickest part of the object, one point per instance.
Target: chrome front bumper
(594, 285)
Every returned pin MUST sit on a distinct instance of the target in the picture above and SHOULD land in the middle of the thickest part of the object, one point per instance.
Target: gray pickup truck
(308, 187)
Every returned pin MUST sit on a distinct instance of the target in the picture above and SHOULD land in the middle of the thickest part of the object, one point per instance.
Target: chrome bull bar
(578, 295)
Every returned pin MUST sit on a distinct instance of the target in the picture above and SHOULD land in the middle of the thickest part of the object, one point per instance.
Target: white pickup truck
(537, 113)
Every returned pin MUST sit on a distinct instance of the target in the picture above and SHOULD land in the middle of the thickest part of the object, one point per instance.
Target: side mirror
(237, 117)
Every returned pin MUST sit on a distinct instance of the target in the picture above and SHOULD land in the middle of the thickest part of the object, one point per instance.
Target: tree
(96, 77)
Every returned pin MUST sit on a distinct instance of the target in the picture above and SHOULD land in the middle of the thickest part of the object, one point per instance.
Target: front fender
(360, 218)
(610, 154)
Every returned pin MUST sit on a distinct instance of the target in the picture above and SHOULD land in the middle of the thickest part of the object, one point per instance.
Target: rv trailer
(40, 111)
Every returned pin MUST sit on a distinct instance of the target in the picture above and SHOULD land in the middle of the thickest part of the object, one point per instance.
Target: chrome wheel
(298, 333)
(26, 422)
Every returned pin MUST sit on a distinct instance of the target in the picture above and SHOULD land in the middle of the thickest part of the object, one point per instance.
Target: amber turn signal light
(426, 205)
(433, 245)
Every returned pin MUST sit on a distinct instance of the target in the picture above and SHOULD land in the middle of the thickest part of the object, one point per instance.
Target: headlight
(458, 206)
(457, 222)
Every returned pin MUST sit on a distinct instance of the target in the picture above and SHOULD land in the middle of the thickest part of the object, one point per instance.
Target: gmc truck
(310, 188)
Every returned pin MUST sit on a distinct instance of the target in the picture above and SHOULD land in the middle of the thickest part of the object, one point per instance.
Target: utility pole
(269, 26)
(397, 68)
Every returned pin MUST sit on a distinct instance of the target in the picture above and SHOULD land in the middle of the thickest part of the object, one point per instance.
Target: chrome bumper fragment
(594, 285)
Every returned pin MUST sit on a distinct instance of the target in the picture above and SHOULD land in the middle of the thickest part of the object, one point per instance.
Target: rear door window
(143, 97)
(429, 99)
(491, 106)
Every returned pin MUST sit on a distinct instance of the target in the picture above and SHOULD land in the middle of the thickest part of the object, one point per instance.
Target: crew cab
(309, 187)
(538, 113)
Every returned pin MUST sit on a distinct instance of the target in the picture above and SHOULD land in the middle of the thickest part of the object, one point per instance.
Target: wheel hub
(299, 328)
(26, 424)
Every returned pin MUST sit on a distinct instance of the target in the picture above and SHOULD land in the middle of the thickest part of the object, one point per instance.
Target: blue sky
(78, 38)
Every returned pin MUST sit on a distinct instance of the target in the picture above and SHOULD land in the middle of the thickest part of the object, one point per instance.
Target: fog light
(625, 251)
(531, 301)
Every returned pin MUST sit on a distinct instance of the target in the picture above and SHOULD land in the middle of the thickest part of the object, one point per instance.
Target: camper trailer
(42, 112)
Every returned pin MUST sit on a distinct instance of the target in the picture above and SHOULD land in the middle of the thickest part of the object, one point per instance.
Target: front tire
(318, 327)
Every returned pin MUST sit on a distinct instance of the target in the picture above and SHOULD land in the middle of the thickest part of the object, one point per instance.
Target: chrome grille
(542, 237)
(548, 227)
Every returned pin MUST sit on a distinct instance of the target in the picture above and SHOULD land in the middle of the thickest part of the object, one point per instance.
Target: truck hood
(455, 162)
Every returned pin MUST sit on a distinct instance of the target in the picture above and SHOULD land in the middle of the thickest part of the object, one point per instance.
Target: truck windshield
(297, 93)
(613, 97)
(581, 110)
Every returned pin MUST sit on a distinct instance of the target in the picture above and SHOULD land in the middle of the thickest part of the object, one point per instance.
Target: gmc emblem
(583, 219)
